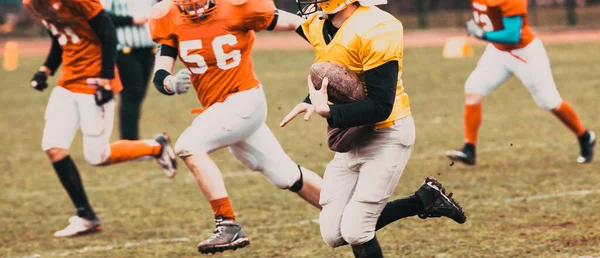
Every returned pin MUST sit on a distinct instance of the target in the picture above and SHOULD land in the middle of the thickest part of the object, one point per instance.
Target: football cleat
(437, 204)
(586, 142)
(466, 155)
(79, 226)
(228, 235)
(166, 159)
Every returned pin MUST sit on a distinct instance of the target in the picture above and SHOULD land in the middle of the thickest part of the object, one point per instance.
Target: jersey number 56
(225, 61)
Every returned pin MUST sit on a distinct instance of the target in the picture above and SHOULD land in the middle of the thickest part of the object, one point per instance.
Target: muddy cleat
(79, 226)
(228, 235)
(166, 159)
(587, 142)
(466, 155)
(437, 203)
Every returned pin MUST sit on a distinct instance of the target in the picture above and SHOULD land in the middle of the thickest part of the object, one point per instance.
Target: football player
(214, 41)
(84, 42)
(358, 183)
(513, 49)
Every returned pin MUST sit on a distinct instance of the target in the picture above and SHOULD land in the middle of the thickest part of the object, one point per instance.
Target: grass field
(527, 197)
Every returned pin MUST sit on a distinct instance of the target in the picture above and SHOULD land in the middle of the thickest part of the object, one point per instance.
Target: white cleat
(79, 226)
(166, 159)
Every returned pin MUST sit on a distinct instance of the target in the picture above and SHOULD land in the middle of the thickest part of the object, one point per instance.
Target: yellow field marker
(457, 47)
(11, 56)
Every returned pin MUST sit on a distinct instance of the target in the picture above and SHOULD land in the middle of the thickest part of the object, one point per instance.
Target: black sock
(398, 209)
(370, 249)
(69, 177)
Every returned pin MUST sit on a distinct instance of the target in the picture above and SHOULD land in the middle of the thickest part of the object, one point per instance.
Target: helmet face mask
(195, 9)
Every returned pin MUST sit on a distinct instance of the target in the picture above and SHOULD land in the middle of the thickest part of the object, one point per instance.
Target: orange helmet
(195, 9)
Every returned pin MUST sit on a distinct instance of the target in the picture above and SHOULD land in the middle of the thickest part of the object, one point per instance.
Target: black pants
(135, 70)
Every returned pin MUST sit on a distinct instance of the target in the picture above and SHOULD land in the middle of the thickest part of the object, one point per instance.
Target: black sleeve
(121, 21)
(381, 85)
(307, 99)
(274, 21)
(54, 58)
(105, 30)
(166, 50)
(300, 32)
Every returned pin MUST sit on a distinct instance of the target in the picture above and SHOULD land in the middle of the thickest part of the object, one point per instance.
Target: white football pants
(239, 123)
(530, 64)
(66, 112)
(358, 184)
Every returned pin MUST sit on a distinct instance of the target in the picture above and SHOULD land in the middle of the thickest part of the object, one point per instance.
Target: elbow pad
(158, 81)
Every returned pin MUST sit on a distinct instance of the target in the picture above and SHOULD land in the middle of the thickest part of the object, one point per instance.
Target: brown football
(344, 85)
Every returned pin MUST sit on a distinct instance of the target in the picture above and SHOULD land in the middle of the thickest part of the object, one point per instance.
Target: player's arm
(285, 21)
(106, 32)
(510, 34)
(381, 83)
(53, 61)
(164, 82)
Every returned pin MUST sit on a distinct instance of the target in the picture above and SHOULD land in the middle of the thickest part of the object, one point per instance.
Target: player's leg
(220, 125)
(533, 69)
(338, 185)
(62, 122)
(96, 126)
(489, 74)
(262, 152)
(383, 161)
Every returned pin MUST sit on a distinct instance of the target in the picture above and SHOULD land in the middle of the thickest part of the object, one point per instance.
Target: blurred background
(415, 14)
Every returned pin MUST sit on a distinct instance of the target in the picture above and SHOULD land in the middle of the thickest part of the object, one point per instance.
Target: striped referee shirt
(129, 34)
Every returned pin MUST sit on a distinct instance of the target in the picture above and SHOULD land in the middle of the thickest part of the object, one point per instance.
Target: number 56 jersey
(489, 13)
(217, 48)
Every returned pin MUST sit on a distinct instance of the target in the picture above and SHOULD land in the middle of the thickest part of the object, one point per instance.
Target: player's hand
(298, 109)
(179, 83)
(38, 81)
(474, 29)
(319, 98)
(140, 21)
(103, 93)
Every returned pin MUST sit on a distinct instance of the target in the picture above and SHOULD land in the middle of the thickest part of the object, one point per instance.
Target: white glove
(179, 83)
(474, 29)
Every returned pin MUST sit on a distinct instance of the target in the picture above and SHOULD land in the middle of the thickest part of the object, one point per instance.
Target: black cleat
(166, 159)
(466, 155)
(437, 203)
(227, 236)
(587, 142)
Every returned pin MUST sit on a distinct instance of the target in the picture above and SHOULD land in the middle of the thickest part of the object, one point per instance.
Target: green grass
(524, 151)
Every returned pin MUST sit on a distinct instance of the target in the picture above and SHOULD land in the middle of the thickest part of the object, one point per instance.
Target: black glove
(103, 96)
(38, 81)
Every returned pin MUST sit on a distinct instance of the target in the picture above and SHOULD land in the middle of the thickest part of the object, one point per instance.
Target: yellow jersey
(369, 38)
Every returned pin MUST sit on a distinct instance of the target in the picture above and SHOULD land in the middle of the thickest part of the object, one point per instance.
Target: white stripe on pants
(358, 184)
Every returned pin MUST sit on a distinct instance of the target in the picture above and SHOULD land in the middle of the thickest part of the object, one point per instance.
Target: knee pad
(297, 186)
(97, 157)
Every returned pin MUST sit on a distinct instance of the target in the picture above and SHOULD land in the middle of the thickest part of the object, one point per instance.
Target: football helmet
(195, 9)
(308, 7)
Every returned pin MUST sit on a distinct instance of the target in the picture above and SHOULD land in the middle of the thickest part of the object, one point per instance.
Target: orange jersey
(81, 48)
(217, 49)
(489, 13)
